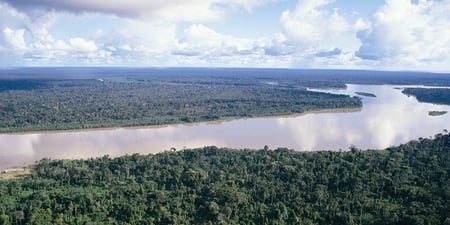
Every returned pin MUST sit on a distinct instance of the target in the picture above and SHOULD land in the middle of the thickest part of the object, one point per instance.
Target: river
(390, 118)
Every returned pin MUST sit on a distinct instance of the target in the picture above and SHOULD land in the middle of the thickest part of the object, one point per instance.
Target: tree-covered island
(33, 104)
(431, 95)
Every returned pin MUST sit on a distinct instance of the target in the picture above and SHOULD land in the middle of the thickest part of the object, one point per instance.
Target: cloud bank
(405, 34)
(169, 10)
(399, 34)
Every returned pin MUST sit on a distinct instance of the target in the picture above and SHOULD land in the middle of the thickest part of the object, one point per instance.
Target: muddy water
(389, 119)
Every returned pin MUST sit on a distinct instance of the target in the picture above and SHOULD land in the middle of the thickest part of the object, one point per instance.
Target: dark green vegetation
(431, 95)
(408, 184)
(75, 98)
(365, 94)
(436, 113)
(138, 98)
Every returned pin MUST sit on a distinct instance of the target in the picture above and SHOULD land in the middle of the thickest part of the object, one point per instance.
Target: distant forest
(430, 95)
(404, 185)
(137, 100)
(75, 98)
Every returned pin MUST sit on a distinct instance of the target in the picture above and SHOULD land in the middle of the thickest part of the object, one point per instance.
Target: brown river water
(389, 119)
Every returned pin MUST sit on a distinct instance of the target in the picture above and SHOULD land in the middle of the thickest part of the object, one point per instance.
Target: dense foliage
(73, 98)
(431, 95)
(141, 99)
(408, 184)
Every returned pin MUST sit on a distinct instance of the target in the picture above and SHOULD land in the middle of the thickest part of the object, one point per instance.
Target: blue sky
(339, 34)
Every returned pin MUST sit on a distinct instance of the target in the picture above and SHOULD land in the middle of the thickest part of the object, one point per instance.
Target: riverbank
(14, 173)
(219, 121)
(171, 186)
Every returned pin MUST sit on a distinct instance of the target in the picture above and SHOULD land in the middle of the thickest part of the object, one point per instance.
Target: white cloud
(205, 45)
(61, 46)
(308, 23)
(165, 43)
(39, 23)
(11, 24)
(25, 37)
(151, 37)
(80, 44)
(361, 24)
(208, 41)
(400, 35)
(313, 35)
(15, 38)
(406, 34)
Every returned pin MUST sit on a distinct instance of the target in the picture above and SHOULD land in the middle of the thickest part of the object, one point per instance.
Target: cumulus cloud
(20, 31)
(309, 33)
(157, 40)
(308, 23)
(11, 24)
(407, 33)
(201, 40)
(401, 34)
(140, 43)
(39, 23)
(80, 44)
(15, 38)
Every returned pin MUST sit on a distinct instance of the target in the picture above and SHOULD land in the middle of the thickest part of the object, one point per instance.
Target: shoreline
(209, 122)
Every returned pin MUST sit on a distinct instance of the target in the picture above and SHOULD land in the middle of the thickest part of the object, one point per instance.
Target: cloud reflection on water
(389, 119)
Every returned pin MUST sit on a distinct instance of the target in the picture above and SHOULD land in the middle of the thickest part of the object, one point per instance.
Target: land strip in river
(222, 120)
(430, 95)
(437, 113)
(365, 94)
(66, 104)
(42, 99)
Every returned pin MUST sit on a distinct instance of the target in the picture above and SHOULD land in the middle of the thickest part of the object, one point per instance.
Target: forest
(430, 95)
(36, 99)
(63, 103)
(408, 185)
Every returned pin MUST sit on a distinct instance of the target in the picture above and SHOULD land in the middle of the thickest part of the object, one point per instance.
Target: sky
(321, 34)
